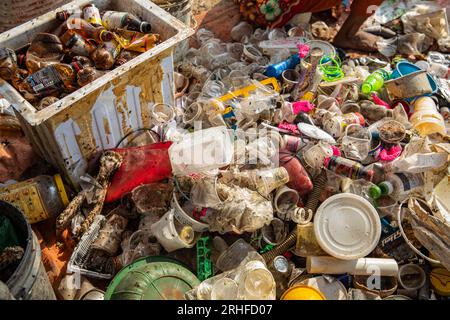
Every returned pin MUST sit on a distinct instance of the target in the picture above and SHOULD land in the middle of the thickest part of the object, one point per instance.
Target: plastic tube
(362, 266)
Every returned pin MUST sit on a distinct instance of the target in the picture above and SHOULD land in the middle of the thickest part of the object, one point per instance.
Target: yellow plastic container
(440, 280)
(426, 119)
(302, 292)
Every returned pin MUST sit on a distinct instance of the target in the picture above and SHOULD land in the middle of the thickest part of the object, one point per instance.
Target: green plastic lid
(374, 192)
(152, 278)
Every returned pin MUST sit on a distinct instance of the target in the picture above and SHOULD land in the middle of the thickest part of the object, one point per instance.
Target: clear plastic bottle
(39, 198)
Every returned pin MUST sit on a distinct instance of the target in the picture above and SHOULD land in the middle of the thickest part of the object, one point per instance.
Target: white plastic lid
(314, 132)
(347, 226)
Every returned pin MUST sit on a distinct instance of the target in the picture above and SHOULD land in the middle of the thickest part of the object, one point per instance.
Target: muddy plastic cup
(251, 54)
(224, 289)
(194, 112)
(274, 233)
(162, 113)
(388, 285)
(285, 200)
(356, 142)
(392, 131)
(386, 206)
(411, 277)
(290, 79)
(256, 282)
(409, 86)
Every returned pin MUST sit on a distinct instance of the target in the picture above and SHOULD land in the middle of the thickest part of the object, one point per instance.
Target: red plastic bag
(140, 165)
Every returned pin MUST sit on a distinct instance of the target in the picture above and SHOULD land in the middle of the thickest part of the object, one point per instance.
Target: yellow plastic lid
(302, 292)
(440, 280)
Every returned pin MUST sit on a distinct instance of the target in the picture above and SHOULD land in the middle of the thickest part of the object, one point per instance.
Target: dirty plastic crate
(72, 133)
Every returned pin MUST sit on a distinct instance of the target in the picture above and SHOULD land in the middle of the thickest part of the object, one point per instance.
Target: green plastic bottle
(375, 81)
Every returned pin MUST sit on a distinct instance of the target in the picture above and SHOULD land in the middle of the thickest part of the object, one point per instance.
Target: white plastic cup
(411, 269)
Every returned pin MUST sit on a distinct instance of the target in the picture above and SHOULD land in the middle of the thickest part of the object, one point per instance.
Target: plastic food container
(70, 133)
(347, 226)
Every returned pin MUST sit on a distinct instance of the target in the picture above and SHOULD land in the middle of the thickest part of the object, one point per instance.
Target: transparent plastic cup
(224, 289)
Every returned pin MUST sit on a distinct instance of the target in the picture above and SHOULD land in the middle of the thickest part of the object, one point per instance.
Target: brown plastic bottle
(76, 44)
(8, 63)
(124, 20)
(105, 55)
(39, 198)
(45, 49)
(92, 15)
(88, 31)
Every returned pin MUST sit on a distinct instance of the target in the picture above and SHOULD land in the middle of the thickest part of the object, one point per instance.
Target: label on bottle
(45, 81)
(77, 45)
(113, 19)
(92, 15)
(410, 181)
(25, 197)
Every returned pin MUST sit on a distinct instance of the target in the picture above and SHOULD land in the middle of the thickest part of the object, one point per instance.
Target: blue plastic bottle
(275, 70)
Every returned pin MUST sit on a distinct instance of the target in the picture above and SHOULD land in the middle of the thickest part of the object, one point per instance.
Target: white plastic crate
(72, 133)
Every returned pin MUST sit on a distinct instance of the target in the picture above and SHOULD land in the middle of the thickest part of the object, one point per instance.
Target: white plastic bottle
(400, 184)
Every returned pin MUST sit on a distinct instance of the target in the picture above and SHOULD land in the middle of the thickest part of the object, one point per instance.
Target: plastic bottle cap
(386, 188)
(366, 88)
(375, 192)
